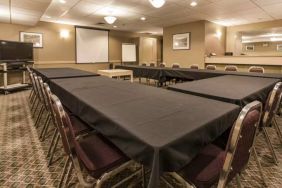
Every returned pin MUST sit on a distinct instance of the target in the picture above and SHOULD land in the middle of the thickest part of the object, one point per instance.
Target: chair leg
(143, 177)
(34, 106)
(68, 175)
(64, 172)
(53, 150)
(270, 145)
(277, 128)
(45, 127)
(259, 165)
(238, 180)
(39, 116)
(52, 141)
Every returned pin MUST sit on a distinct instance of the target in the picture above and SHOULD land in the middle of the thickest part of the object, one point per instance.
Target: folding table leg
(270, 145)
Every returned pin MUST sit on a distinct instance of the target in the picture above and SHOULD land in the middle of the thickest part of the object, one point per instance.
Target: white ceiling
(128, 12)
(26, 12)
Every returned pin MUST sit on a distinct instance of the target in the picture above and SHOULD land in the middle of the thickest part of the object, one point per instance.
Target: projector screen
(128, 52)
(92, 45)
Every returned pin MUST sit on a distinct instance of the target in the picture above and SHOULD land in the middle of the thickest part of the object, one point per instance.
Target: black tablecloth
(58, 73)
(159, 128)
(239, 90)
(164, 74)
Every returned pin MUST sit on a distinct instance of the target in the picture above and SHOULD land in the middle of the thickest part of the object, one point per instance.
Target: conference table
(57, 73)
(239, 90)
(162, 129)
(163, 74)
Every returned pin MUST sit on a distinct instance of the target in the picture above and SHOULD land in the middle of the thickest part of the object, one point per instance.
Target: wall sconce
(218, 34)
(64, 34)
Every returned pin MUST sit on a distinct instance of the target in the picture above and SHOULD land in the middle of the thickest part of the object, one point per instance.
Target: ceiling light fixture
(143, 18)
(193, 4)
(157, 3)
(110, 19)
(115, 26)
(63, 1)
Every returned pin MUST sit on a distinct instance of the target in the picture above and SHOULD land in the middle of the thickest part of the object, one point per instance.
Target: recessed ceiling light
(115, 26)
(63, 1)
(143, 18)
(193, 3)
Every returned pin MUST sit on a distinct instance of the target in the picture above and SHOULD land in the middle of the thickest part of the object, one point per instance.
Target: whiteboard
(92, 46)
(128, 52)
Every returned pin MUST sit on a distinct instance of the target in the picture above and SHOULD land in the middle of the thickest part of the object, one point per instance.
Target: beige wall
(59, 52)
(203, 42)
(185, 57)
(233, 43)
(213, 42)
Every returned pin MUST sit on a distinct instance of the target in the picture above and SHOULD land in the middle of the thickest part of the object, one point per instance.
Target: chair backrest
(211, 67)
(42, 93)
(256, 69)
(162, 64)
(240, 143)
(144, 64)
(31, 77)
(152, 64)
(272, 104)
(231, 68)
(37, 87)
(175, 65)
(61, 118)
(194, 66)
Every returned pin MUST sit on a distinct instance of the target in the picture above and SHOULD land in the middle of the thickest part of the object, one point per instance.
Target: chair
(162, 65)
(231, 68)
(175, 65)
(92, 152)
(79, 128)
(194, 66)
(256, 69)
(152, 64)
(268, 118)
(144, 64)
(214, 164)
(211, 67)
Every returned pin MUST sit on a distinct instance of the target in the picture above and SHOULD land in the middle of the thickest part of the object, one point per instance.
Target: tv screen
(15, 51)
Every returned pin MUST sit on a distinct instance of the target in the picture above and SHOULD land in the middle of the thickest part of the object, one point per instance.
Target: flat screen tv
(11, 51)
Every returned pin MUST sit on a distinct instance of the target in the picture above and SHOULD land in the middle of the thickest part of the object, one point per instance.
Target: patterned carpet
(23, 161)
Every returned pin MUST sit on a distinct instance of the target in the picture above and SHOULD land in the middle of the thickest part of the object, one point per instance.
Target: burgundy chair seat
(78, 126)
(98, 155)
(209, 164)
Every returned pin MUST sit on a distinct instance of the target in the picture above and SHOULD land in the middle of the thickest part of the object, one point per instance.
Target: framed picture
(279, 47)
(181, 41)
(35, 38)
(250, 48)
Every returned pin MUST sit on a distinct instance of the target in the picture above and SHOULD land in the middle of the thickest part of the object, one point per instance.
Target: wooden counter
(245, 60)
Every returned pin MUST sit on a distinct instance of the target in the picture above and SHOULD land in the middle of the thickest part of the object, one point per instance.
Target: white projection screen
(128, 52)
(92, 45)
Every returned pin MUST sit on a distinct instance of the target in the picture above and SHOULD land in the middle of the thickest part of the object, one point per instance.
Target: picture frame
(250, 48)
(181, 41)
(279, 47)
(35, 38)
